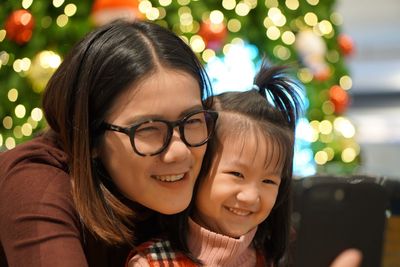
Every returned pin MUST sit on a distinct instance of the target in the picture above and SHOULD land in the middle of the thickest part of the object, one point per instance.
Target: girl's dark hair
(274, 108)
(104, 64)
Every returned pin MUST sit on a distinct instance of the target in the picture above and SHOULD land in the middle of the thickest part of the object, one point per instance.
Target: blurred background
(346, 53)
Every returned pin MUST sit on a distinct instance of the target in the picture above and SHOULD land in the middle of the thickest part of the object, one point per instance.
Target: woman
(127, 135)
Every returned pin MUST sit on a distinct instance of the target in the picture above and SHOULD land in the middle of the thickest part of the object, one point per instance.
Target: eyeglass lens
(150, 137)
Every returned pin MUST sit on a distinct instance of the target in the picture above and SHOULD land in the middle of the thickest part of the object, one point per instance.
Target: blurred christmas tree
(303, 31)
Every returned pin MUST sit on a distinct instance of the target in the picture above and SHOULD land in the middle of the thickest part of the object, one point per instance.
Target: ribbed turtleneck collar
(215, 249)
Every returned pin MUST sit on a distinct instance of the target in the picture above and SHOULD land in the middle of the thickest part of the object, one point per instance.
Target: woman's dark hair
(105, 63)
(272, 108)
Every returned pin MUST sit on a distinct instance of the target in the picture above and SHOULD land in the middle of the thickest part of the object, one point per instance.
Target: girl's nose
(249, 194)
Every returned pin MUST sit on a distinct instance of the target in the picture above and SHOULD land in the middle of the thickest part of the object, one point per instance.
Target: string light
(12, 95)
(26, 3)
(346, 82)
(229, 4)
(292, 4)
(70, 10)
(58, 3)
(62, 20)
(234, 25)
(242, 9)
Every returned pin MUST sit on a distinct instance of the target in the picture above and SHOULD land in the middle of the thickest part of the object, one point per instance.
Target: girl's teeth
(239, 212)
(169, 178)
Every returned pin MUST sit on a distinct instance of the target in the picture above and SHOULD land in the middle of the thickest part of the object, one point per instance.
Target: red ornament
(105, 11)
(346, 44)
(213, 34)
(19, 26)
(339, 98)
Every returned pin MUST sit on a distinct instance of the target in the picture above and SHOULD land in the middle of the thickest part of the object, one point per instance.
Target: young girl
(240, 213)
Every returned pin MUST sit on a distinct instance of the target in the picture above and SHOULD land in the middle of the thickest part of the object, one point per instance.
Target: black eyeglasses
(151, 137)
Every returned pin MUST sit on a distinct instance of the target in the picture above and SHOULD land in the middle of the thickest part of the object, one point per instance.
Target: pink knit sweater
(214, 249)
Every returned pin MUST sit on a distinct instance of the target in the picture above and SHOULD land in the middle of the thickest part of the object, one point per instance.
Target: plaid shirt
(159, 253)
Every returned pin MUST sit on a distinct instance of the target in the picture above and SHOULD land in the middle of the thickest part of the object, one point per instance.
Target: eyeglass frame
(130, 131)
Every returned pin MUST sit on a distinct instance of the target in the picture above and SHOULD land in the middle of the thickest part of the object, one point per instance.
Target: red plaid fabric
(159, 253)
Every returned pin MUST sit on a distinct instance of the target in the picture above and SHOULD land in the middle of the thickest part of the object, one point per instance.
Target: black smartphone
(333, 216)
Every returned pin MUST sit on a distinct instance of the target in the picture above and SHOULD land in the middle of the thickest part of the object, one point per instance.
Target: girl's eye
(269, 181)
(237, 174)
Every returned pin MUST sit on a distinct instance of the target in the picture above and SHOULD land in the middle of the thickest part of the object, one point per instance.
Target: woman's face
(169, 95)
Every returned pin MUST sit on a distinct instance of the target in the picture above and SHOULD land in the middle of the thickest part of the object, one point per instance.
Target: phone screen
(334, 216)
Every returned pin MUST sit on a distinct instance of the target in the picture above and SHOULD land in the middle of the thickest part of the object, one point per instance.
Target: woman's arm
(38, 222)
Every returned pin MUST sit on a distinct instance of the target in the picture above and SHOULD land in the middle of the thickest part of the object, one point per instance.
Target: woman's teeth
(239, 212)
(169, 178)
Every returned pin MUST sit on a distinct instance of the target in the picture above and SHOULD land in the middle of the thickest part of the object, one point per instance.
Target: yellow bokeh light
(186, 28)
(58, 3)
(330, 152)
(237, 41)
(216, 17)
(346, 82)
(1, 140)
(26, 3)
(288, 37)
(328, 108)
(311, 19)
(313, 2)
(17, 132)
(197, 43)
(234, 25)
(273, 33)
(229, 4)
(12, 95)
(2, 35)
(153, 13)
(242, 9)
(183, 10)
(315, 125)
(162, 13)
(336, 18)
(325, 27)
(183, 2)
(20, 111)
(25, 64)
(10, 143)
(70, 10)
(7, 122)
(62, 20)
(37, 114)
(26, 129)
(251, 3)
(165, 2)
(348, 155)
(321, 157)
(345, 127)
(314, 135)
(305, 75)
(208, 54)
(33, 123)
(325, 127)
(144, 6)
(49, 59)
(333, 56)
(226, 48)
(292, 4)
(276, 16)
(281, 52)
(271, 3)
(17, 65)
(268, 22)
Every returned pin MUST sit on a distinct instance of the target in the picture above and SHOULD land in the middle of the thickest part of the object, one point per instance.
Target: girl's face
(241, 189)
(163, 182)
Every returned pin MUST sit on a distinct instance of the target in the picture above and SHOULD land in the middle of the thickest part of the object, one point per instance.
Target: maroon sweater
(39, 225)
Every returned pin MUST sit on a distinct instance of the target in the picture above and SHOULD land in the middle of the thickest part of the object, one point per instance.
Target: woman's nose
(177, 150)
